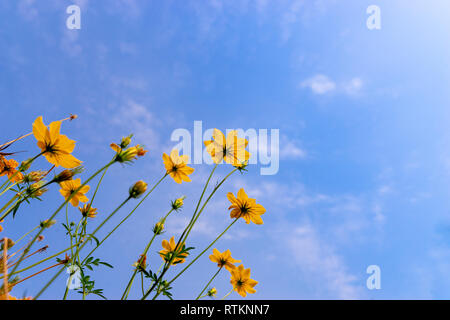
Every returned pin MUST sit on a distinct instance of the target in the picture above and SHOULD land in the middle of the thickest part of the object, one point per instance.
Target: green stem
(124, 219)
(7, 205)
(42, 261)
(57, 211)
(93, 233)
(226, 296)
(26, 234)
(215, 275)
(8, 188)
(190, 226)
(195, 259)
(130, 282)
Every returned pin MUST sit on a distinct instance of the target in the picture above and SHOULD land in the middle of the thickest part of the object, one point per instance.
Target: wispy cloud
(321, 84)
(321, 266)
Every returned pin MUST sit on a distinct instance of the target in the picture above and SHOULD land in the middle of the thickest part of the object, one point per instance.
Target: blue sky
(363, 118)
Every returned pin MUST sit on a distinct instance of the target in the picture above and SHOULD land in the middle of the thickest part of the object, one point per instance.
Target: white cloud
(319, 84)
(320, 265)
(290, 150)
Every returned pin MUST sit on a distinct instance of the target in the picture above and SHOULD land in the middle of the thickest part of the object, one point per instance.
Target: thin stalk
(215, 275)
(195, 259)
(147, 247)
(42, 261)
(125, 219)
(26, 234)
(35, 274)
(226, 296)
(59, 209)
(190, 226)
(95, 231)
(5, 268)
(8, 188)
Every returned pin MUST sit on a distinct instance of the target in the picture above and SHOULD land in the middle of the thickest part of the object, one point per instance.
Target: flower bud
(36, 190)
(125, 141)
(67, 174)
(138, 189)
(177, 204)
(9, 243)
(141, 263)
(47, 224)
(25, 165)
(158, 228)
(212, 292)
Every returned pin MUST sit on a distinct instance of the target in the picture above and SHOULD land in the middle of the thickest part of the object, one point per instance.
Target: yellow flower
(245, 207)
(1, 228)
(68, 188)
(240, 279)
(176, 166)
(178, 203)
(212, 292)
(8, 168)
(138, 189)
(169, 247)
(231, 150)
(56, 147)
(88, 211)
(129, 154)
(223, 259)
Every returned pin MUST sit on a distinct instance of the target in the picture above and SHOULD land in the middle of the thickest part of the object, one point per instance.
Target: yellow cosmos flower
(9, 168)
(169, 248)
(68, 187)
(88, 211)
(176, 166)
(56, 147)
(230, 149)
(223, 259)
(245, 207)
(1, 228)
(240, 279)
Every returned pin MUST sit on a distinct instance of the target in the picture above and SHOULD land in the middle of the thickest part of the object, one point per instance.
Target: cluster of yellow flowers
(57, 150)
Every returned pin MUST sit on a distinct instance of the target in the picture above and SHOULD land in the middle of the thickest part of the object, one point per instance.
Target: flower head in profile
(128, 155)
(178, 203)
(240, 279)
(223, 259)
(176, 166)
(55, 147)
(87, 211)
(9, 168)
(34, 176)
(70, 187)
(245, 207)
(168, 251)
(230, 149)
